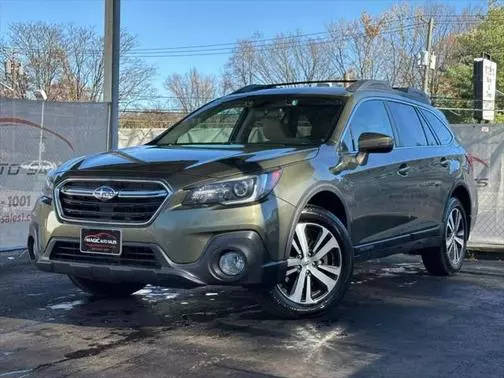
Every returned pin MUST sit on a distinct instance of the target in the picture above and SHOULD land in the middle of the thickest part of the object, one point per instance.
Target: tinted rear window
(439, 127)
(431, 139)
(409, 128)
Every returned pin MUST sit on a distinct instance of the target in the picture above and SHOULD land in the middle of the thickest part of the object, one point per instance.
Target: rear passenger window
(409, 128)
(439, 127)
(370, 117)
(431, 139)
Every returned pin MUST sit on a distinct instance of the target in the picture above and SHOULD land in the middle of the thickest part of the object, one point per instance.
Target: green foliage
(486, 37)
(461, 75)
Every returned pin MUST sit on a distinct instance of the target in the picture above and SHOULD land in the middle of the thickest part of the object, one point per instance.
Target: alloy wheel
(314, 265)
(455, 237)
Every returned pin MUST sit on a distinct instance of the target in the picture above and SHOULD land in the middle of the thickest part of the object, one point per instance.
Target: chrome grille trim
(125, 194)
(121, 193)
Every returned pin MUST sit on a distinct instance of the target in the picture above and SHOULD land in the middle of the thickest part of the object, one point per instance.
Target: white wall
(134, 137)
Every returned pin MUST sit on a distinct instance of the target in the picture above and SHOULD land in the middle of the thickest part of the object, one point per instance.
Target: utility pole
(40, 95)
(429, 48)
(111, 69)
(349, 75)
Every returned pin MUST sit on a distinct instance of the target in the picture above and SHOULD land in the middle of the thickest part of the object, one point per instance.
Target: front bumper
(186, 244)
(260, 270)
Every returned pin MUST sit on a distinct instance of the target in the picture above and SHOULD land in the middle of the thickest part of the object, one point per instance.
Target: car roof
(358, 90)
(295, 91)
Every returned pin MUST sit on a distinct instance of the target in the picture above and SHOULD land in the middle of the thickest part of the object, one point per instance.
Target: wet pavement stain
(393, 316)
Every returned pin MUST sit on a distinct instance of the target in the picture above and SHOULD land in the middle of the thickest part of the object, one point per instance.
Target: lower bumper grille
(140, 256)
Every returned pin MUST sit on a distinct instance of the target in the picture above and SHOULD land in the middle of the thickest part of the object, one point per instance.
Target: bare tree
(384, 46)
(192, 89)
(239, 70)
(38, 48)
(83, 67)
(406, 38)
(289, 57)
(358, 46)
(67, 62)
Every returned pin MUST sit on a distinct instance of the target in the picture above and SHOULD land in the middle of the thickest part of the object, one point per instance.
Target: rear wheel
(319, 267)
(448, 259)
(106, 289)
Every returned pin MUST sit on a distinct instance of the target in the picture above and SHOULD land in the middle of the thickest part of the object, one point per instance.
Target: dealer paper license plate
(108, 242)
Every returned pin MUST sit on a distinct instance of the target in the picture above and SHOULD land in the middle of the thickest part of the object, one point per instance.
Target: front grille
(131, 202)
(140, 256)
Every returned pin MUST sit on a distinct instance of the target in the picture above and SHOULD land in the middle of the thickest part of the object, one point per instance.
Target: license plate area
(101, 241)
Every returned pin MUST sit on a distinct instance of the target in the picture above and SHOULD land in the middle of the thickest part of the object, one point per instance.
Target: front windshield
(263, 120)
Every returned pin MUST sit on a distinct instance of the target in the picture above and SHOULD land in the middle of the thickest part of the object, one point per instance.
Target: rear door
(418, 168)
(445, 159)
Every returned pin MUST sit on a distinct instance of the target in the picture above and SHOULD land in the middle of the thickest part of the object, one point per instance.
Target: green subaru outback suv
(278, 188)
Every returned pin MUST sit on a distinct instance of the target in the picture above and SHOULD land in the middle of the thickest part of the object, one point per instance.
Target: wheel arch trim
(305, 199)
(456, 186)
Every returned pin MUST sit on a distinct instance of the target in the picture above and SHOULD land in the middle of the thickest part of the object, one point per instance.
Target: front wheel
(448, 259)
(319, 267)
(106, 289)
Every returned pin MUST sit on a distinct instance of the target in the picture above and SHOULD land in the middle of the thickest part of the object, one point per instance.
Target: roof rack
(361, 85)
(253, 87)
(414, 93)
(356, 85)
(410, 92)
(258, 87)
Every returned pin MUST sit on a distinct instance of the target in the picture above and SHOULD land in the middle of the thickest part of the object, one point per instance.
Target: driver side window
(370, 117)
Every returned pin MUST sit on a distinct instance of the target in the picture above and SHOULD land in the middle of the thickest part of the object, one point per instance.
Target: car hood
(201, 161)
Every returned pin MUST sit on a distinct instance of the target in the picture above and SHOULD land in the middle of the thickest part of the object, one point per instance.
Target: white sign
(488, 85)
(424, 59)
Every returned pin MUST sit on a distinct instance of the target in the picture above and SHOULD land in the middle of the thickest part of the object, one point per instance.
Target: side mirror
(375, 142)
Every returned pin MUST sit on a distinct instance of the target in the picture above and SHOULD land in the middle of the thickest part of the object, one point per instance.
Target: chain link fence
(36, 136)
(485, 144)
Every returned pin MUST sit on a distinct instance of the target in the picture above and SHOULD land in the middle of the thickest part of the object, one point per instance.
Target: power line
(281, 45)
(267, 47)
(289, 40)
(259, 42)
(394, 20)
(224, 44)
(228, 48)
(469, 109)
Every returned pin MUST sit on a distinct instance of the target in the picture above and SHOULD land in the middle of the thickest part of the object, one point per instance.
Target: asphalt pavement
(395, 321)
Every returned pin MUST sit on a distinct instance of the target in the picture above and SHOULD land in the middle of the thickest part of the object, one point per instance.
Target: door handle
(403, 170)
(444, 162)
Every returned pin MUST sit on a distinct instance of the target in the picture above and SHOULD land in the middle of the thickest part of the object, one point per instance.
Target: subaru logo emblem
(104, 193)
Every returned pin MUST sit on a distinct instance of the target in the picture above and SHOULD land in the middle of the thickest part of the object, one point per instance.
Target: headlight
(47, 190)
(236, 191)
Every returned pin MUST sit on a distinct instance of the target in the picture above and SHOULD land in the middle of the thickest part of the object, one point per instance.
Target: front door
(377, 189)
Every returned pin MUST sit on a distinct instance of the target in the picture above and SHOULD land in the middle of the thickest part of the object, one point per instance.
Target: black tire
(438, 261)
(106, 289)
(275, 301)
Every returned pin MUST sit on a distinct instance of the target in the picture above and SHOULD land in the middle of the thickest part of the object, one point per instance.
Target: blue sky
(169, 23)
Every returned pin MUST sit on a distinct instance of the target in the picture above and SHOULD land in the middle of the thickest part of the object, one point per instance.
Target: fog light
(232, 263)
